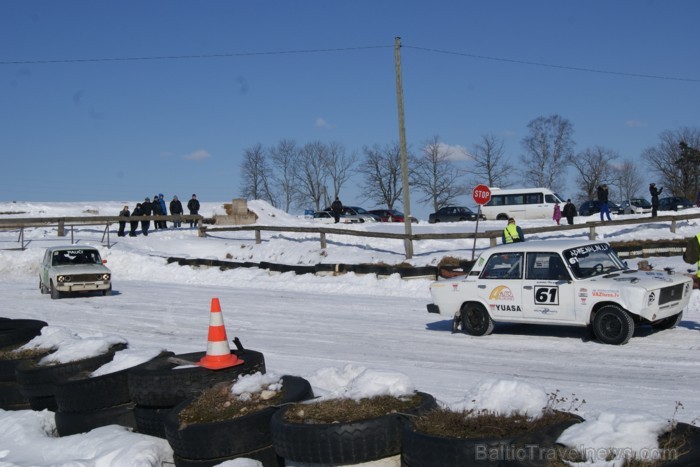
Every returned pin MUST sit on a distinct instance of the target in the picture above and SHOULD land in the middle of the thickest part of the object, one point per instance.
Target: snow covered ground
(331, 330)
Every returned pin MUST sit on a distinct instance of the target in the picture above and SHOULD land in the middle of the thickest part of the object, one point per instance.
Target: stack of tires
(156, 387)
(38, 382)
(247, 436)
(13, 334)
(376, 440)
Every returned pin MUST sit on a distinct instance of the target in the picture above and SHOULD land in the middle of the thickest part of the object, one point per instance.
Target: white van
(521, 203)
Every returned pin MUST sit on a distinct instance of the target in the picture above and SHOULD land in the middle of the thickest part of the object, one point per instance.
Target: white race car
(565, 282)
(67, 269)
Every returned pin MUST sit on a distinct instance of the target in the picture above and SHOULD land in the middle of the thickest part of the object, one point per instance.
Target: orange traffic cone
(219, 354)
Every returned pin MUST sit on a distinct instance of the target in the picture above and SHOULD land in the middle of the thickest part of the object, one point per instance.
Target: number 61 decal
(547, 295)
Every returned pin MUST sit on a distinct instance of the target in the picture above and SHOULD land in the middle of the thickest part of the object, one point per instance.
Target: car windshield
(78, 256)
(360, 210)
(641, 203)
(593, 260)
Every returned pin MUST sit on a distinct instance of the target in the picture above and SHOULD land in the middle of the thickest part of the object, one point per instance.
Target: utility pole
(404, 156)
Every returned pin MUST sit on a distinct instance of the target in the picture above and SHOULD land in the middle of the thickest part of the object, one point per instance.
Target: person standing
(176, 210)
(163, 210)
(157, 211)
(336, 209)
(138, 212)
(147, 210)
(654, 192)
(122, 224)
(569, 212)
(193, 206)
(603, 201)
(557, 213)
(512, 233)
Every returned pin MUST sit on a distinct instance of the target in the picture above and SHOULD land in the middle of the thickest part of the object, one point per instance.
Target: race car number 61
(548, 295)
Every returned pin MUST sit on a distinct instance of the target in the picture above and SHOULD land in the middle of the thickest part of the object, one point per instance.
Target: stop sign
(481, 194)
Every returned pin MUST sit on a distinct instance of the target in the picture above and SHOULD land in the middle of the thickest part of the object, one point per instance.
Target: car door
(500, 286)
(548, 290)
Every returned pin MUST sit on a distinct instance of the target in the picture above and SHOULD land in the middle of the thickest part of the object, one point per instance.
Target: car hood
(81, 269)
(649, 280)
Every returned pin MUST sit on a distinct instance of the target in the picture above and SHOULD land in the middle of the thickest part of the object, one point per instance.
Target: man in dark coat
(176, 210)
(122, 224)
(603, 201)
(138, 212)
(193, 206)
(147, 209)
(654, 192)
(336, 209)
(569, 212)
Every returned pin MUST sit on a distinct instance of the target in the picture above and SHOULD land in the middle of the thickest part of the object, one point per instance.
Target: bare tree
(489, 163)
(676, 160)
(311, 173)
(338, 165)
(548, 150)
(381, 168)
(435, 176)
(283, 160)
(594, 168)
(628, 180)
(255, 175)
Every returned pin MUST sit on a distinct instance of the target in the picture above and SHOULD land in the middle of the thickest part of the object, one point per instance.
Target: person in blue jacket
(163, 209)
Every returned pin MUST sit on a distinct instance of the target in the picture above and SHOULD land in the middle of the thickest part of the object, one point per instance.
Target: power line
(563, 67)
(180, 57)
(347, 49)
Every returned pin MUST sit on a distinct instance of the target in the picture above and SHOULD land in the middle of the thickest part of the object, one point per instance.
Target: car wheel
(612, 325)
(502, 217)
(476, 321)
(55, 294)
(42, 288)
(108, 291)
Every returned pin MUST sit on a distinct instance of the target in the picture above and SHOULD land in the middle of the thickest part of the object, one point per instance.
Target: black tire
(82, 393)
(42, 288)
(342, 443)
(668, 323)
(613, 325)
(689, 454)
(266, 456)
(40, 381)
(420, 449)
(476, 321)
(151, 420)
(502, 217)
(19, 331)
(81, 422)
(55, 294)
(420, 271)
(10, 395)
(230, 437)
(40, 403)
(107, 292)
(158, 384)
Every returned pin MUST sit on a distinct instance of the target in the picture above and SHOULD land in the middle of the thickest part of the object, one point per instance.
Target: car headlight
(63, 278)
(105, 277)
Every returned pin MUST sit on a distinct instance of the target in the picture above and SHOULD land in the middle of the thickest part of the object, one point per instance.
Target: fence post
(258, 237)
(61, 228)
(492, 241)
(323, 241)
(673, 226)
(591, 232)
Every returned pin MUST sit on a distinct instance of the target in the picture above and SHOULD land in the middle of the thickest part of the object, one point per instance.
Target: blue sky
(125, 129)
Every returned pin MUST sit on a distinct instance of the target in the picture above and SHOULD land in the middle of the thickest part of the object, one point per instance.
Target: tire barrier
(381, 270)
(343, 443)
(422, 449)
(233, 438)
(157, 386)
(19, 331)
(11, 398)
(71, 423)
(38, 383)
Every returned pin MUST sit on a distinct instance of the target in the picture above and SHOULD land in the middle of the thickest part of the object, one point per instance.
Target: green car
(73, 269)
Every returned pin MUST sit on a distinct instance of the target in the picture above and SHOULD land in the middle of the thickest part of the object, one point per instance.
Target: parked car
(561, 282)
(326, 217)
(674, 203)
(453, 214)
(70, 269)
(358, 213)
(592, 206)
(391, 215)
(634, 206)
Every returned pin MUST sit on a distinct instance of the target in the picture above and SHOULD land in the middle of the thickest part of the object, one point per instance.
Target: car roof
(542, 245)
(70, 247)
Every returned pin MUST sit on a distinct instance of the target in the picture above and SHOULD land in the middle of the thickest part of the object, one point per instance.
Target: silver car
(69, 269)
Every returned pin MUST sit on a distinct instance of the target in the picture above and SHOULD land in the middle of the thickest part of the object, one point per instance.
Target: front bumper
(83, 286)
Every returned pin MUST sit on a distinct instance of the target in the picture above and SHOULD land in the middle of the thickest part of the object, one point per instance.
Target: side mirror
(104, 261)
